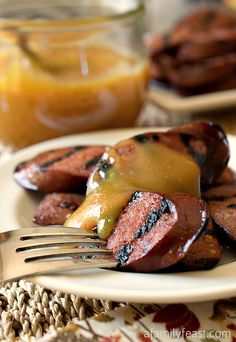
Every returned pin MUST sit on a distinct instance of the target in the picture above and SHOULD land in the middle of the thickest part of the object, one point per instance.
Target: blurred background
(160, 18)
(161, 15)
(72, 67)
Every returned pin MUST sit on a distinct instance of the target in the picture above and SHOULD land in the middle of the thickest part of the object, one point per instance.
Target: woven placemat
(29, 310)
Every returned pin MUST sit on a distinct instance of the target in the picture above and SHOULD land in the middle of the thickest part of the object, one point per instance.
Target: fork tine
(29, 251)
(65, 252)
(56, 267)
(64, 241)
(33, 232)
(80, 264)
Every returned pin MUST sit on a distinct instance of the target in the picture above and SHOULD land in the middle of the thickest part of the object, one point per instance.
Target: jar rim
(65, 25)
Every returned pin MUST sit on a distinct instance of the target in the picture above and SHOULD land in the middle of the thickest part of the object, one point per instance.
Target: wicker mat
(30, 310)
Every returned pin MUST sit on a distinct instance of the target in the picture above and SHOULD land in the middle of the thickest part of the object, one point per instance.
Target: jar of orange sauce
(69, 67)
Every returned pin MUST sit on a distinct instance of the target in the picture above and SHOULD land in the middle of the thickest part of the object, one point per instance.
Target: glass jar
(69, 67)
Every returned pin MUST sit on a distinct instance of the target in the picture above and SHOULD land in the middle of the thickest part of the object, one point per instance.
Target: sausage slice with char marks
(229, 82)
(156, 231)
(220, 193)
(202, 20)
(199, 133)
(228, 176)
(60, 170)
(204, 253)
(223, 214)
(201, 46)
(200, 140)
(199, 74)
(55, 208)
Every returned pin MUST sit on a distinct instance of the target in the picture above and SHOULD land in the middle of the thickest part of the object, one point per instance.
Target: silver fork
(45, 250)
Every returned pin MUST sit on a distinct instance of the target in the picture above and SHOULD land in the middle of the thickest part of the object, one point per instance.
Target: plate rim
(136, 296)
(171, 101)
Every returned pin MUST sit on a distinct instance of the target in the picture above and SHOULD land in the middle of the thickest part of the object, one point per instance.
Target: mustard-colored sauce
(65, 90)
(128, 167)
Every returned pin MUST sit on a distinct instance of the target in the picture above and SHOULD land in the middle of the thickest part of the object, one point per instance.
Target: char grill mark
(92, 162)
(199, 157)
(103, 167)
(123, 255)
(68, 205)
(221, 198)
(135, 196)
(155, 137)
(153, 217)
(143, 138)
(43, 167)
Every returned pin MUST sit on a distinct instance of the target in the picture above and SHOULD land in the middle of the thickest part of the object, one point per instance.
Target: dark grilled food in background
(198, 55)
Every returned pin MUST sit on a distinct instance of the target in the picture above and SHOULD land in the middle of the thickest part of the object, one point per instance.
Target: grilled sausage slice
(228, 176)
(55, 208)
(200, 140)
(198, 54)
(60, 170)
(155, 231)
(223, 214)
(203, 20)
(225, 84)
(204, 140)
(204, 253)
(206, 72)
(220, 193)
(201, 46)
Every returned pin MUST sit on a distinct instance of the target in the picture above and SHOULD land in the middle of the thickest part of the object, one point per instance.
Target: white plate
(173, 102)
(16, 210)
